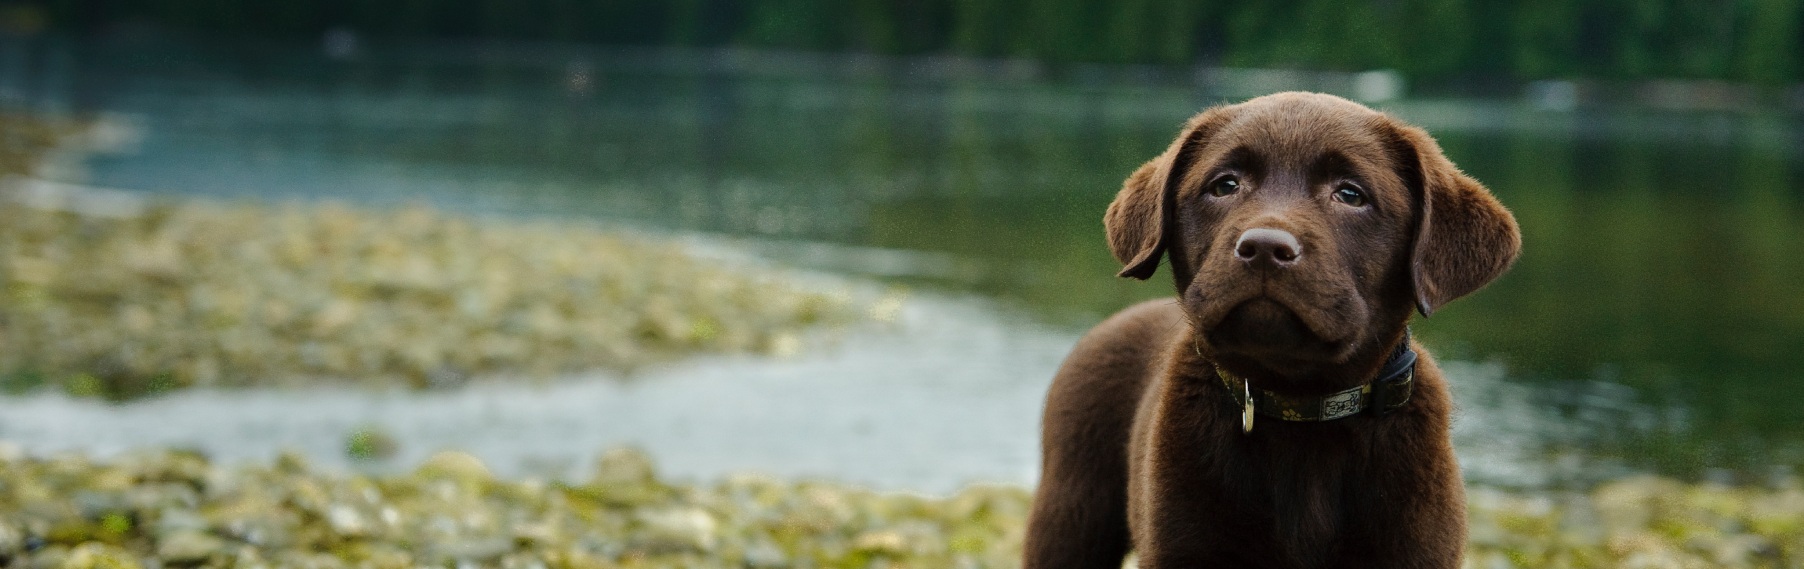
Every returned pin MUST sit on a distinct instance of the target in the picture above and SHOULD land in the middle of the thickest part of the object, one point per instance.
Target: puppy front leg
(1077, 524)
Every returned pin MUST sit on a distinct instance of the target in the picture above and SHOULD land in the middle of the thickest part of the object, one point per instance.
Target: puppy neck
(1363, 366)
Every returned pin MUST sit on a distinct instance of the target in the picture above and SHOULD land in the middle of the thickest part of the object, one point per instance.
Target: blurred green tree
(1742, 40)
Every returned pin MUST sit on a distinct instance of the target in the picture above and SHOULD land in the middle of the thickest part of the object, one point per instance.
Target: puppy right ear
(1464, 238)
(1142, 212)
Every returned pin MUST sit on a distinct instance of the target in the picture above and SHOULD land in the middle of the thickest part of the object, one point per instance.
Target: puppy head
(1303, 228)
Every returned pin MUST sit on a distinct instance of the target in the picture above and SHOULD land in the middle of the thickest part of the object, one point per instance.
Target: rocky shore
(119, 295)
(109, 294)
(177, 509)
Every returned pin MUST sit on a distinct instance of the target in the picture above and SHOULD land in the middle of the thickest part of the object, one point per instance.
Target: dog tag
(1246, 412)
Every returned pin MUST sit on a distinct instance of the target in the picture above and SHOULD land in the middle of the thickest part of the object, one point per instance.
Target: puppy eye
(1225, 186)
(1351, 195)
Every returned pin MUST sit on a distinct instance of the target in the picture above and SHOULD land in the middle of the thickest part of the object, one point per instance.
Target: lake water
(1653, 324)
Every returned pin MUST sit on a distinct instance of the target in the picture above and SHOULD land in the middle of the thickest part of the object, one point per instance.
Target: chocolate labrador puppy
(1277, 414)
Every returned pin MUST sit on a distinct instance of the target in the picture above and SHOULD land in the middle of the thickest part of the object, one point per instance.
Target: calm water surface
(1653, 323)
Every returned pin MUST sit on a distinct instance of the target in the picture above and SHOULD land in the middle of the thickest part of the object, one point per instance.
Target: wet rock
(537, 533)
(821, 509)
(886, 542)
(50, 557)
(626, 477)
(677, 530)
(187, 547)
(174, 520)
(624, 466)
(454, 465)
(346, 521)
(762, 554)
(474, 550)
(100, 556)
(12, 540)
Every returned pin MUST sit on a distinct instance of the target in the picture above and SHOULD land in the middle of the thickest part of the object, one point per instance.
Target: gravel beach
(177, 509)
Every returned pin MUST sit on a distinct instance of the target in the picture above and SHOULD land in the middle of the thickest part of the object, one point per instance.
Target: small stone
(624, 466)
(346, 521)
(387, 555)
(822, 509)
(454, 465)
(174, 520)
(535, 533)
(50, 557)
(474, 550)
(884, 542)
(185, 547)
(765, 554)
(12, 541)
(96, 555)
(249, 558)
(678, 530)
(292, 462)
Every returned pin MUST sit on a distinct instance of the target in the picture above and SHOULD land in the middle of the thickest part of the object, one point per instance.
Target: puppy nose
(1268, 248)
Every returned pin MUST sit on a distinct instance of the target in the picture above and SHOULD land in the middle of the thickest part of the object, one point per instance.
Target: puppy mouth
(1262, 325)
(1263, 321)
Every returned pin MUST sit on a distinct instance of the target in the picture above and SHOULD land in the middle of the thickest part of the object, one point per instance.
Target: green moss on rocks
(178, 509)
(151, 297)
(184, 511)
(105, 293)
(1641, 522)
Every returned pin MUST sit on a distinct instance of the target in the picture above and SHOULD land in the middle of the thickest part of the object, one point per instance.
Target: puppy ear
(1464, 238)
(1136, 221)
(1141, 214)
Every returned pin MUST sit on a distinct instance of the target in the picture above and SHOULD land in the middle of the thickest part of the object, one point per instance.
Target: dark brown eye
(1351, 195)
(1225, 186)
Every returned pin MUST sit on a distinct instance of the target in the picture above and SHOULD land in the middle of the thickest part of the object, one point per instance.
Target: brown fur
(1142, 447)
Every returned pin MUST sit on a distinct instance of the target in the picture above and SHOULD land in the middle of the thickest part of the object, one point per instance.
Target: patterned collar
(1385, 393)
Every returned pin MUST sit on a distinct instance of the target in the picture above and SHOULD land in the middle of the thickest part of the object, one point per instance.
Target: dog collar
(1387, 392)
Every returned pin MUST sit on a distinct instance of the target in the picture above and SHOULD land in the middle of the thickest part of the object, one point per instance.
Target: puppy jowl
(1275, 412)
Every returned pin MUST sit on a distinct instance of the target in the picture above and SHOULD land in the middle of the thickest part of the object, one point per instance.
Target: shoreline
(119, 295)
(176, 508)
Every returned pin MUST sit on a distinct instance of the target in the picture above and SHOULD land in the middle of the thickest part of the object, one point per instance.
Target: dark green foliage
(1742, 40)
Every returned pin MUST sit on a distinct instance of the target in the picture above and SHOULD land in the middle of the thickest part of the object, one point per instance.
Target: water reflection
(1671, 268)
(1657, 306)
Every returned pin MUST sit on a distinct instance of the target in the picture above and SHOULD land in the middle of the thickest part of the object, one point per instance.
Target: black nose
(1268, 248)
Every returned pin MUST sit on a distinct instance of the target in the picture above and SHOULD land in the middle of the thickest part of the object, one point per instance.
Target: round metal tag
(1246, 412)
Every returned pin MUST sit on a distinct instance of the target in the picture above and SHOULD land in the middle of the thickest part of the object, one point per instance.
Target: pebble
(624, 466)
(94, 555)
(454, 465)
(186, 547)
(678, 530)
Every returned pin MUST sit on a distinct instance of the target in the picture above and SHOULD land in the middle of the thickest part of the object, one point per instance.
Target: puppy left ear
(1465, 238)
(1136, 220)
